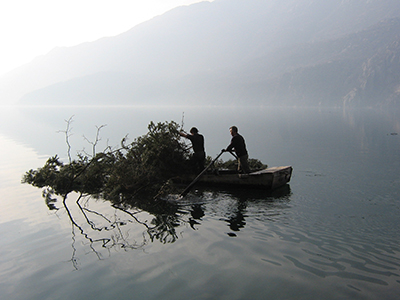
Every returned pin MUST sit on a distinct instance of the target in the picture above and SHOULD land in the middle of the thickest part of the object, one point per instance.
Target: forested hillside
(274, 52)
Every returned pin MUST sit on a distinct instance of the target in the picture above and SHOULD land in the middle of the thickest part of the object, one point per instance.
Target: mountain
(295, 52)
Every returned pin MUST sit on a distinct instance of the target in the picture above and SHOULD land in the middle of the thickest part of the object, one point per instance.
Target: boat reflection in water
(102, 226)
(231, 205)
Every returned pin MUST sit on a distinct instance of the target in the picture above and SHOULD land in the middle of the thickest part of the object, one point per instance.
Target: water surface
(332, 233)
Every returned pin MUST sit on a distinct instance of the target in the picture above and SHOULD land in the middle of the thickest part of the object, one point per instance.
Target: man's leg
(243, 164)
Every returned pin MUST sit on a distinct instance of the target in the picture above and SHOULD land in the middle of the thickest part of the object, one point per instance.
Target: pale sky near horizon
(32, 28)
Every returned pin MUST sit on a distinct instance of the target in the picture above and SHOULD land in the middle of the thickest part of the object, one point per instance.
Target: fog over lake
(332, 233)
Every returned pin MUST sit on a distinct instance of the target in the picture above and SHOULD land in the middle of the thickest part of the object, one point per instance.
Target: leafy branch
(139, 168)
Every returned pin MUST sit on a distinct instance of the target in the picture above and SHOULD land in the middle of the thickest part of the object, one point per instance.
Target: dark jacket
(197, 142)
(238, 144)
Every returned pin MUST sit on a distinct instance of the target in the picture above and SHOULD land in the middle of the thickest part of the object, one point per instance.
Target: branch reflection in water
(131, 224)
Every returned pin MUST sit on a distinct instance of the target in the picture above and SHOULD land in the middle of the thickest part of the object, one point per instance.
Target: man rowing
(239, 146)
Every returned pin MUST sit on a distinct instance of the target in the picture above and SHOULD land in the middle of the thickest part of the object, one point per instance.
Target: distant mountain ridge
(295, 52)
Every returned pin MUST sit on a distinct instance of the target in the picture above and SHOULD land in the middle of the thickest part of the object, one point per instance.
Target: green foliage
(82, 175)
(143, 166)
(150, 161)
(231, 164)
(256, 164)
(54, 174)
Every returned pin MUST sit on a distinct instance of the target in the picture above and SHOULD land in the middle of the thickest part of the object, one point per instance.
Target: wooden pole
(188, 188)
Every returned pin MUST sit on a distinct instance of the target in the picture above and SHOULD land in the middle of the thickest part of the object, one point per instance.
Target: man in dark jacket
(238, 144)
(199, 155)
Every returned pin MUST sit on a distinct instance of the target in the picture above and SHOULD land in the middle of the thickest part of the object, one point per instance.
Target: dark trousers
(197, 161)
(243, 165)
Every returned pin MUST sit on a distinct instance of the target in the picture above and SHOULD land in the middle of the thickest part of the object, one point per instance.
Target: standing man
(238, 144)
(199, 155)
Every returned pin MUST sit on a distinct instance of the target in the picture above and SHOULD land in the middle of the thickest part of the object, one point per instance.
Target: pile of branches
(232, 164)
(143, 167)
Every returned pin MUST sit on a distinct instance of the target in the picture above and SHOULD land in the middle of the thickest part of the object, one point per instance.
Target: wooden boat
(270, 178)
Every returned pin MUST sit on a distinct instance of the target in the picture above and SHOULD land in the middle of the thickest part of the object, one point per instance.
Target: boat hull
(270, 178)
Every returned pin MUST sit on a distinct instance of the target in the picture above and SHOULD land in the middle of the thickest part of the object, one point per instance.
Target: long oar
(234, 155)
(184, 193)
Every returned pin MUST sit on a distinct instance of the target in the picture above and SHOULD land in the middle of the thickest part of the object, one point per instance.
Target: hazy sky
(29, 28)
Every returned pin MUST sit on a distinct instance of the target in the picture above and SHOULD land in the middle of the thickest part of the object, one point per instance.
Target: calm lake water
(332, 233)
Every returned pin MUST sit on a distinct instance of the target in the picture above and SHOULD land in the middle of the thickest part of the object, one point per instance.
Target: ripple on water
(343, 251)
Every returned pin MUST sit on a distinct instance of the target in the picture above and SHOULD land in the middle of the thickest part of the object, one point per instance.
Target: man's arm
(230, 146)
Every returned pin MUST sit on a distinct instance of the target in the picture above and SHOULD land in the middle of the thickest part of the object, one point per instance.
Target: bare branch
(97, 139)
(67, 133)
(182, 123)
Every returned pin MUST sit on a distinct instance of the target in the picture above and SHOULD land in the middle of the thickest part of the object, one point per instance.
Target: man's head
(193, 130)
(233, 130)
